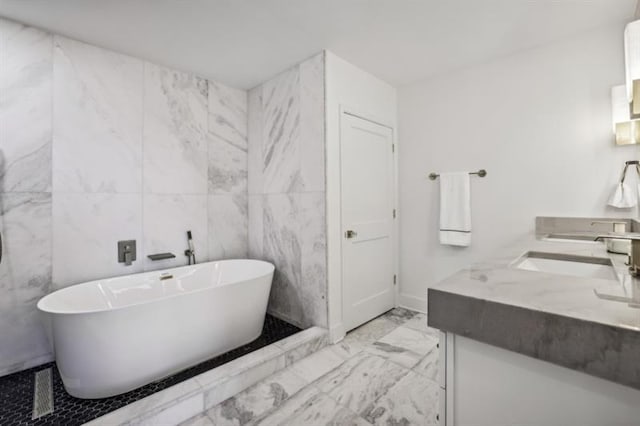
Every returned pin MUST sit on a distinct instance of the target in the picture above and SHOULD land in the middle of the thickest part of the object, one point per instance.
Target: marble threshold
(191, 397)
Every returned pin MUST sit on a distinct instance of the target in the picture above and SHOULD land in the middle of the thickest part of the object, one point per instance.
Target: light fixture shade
(632, 55)
(619, 106)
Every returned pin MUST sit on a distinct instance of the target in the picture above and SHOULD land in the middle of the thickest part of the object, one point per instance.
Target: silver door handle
(350, 234)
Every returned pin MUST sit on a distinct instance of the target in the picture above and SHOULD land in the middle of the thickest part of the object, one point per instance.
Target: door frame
(337, 332)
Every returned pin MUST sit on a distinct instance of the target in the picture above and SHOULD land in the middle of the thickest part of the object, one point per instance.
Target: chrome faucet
(634, 254)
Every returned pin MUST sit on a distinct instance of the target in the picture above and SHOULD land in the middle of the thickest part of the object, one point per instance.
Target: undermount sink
(565, 264)
(589, 239)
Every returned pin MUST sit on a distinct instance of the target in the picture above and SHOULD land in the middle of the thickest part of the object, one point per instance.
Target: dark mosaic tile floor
(16, 390)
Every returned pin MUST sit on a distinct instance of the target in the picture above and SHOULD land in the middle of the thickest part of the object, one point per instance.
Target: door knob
(350, 234)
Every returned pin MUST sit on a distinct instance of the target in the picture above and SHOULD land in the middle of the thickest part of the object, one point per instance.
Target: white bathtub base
(112, 336)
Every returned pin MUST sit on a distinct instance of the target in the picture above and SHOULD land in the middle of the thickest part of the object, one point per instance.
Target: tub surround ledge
(191, 397)
(551, 317)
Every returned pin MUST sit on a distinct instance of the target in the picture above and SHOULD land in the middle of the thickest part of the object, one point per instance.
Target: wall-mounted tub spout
(190, 252)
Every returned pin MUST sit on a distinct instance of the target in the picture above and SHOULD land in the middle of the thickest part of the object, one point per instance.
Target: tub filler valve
(126, 252)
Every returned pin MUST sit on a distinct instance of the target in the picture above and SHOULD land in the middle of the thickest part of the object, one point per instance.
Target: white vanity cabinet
(483, 385)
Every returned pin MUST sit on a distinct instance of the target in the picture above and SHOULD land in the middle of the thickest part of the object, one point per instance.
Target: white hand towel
(455, 209)
(622, 197)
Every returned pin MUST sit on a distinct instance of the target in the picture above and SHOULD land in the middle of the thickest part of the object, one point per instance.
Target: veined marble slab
(563, 320)
(175, 134)
(97, 126)
(192, 397)
(25, 109)
(228, 218)
(227, 140)
(25, 276)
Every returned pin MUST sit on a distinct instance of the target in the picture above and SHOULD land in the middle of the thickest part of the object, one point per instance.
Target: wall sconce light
(627, 131)
(632, 66)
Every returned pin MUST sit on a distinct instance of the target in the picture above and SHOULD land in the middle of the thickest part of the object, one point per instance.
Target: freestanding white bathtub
(111, 336)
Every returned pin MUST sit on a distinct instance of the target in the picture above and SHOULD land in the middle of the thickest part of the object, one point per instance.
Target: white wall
(363, 94)
(538, 122)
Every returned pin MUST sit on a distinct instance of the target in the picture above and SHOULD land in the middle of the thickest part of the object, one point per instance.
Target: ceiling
(244, 42)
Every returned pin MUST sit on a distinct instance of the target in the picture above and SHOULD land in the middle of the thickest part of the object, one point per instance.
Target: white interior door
(367, 220)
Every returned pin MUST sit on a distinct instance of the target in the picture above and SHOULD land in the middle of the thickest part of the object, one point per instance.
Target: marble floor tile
(396, 354)
(413, 400)
(311, 407)
(428, 365)
(410, 340)
(419, 322)
(345, 384)
(201, 420)
(361, 380)
(400, 315)
(258, 400)
(318, 364)
(371, 331)
(347, 348)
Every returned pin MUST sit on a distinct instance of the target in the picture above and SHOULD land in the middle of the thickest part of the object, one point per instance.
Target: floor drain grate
(42, 394)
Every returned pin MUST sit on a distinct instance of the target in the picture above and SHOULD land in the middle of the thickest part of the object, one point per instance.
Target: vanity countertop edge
(551, 317)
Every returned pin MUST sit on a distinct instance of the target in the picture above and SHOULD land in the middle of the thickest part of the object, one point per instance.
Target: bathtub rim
(43, 299)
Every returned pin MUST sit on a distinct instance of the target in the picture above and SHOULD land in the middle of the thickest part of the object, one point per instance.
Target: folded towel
(455, 209)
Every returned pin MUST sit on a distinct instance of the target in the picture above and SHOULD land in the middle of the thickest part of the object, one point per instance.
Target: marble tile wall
(287, 189)
(26, 73)
(96, 147)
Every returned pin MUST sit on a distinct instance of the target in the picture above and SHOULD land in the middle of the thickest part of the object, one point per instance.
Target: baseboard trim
(412, 302)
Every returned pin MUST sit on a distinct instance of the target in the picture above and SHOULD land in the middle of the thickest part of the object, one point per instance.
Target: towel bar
(481, 173)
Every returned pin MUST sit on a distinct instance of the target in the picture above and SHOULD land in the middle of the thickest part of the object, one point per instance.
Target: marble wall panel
(97, 130)
(25, 108)
(86, 230)
(281, 148)
(287, 190)
(227, 140)
(255, 134)
(175, 134)
(25, 276)
(228, 216)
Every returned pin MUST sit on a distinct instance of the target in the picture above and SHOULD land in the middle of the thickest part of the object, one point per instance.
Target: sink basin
(569, 238)
(565, 264)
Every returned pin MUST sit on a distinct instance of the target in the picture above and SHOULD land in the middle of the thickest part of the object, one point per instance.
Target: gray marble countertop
(557, 318)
